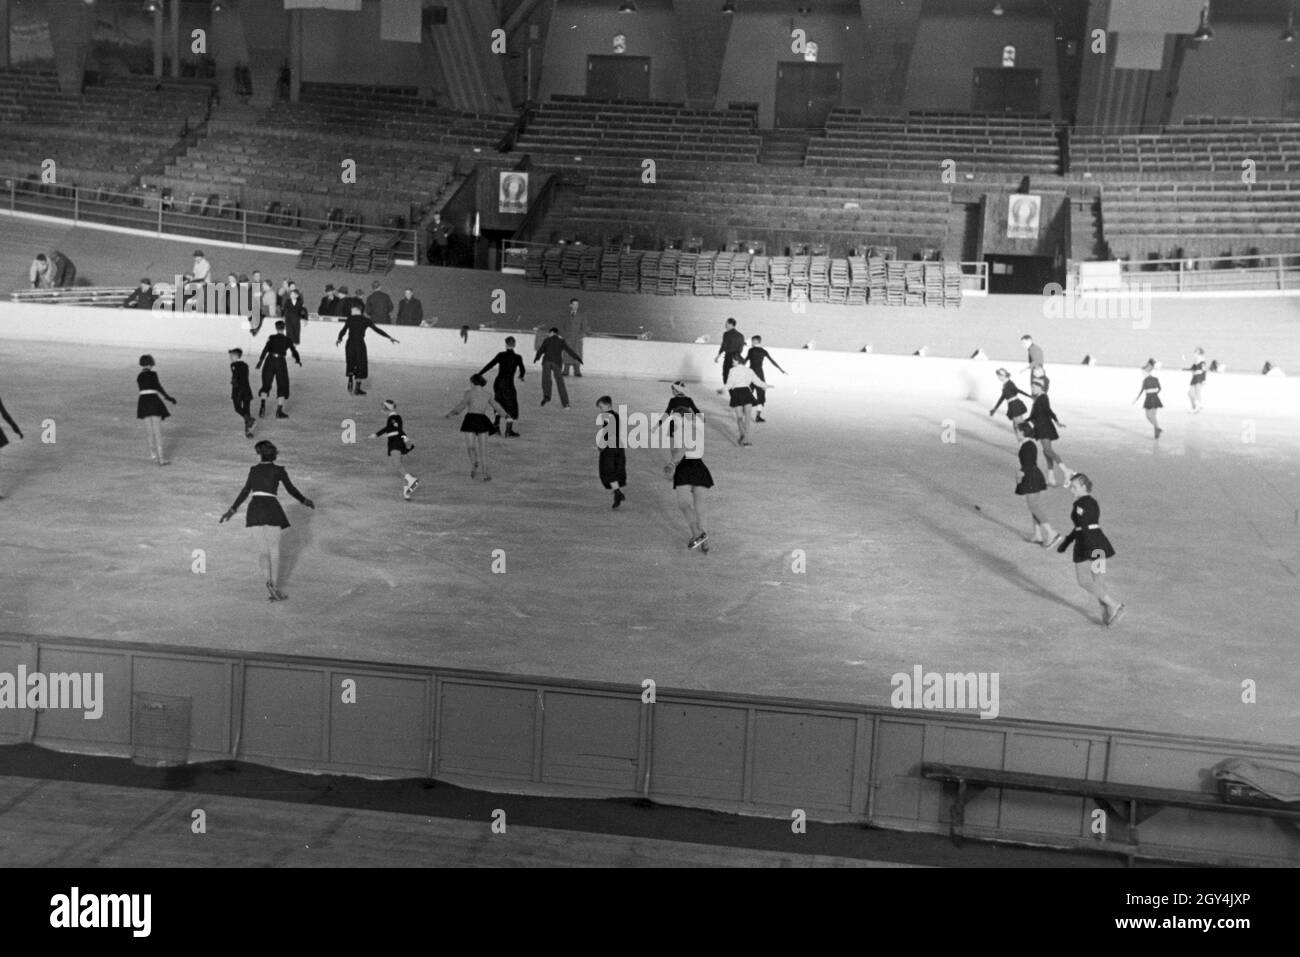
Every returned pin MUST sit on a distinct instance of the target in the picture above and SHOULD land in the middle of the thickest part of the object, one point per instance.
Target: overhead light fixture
(151, 6)
(1203, 32)
(997, 9)
(1288, 35)
(627, 7)
(729, 6)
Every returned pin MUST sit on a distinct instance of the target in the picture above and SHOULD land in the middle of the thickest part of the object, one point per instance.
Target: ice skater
(1045, 425)
(358, 359)
(691, 478)
(149, 407)
(1034, 353)
(508, 364)
(613, 458)
(476, 425)
(1197, 369)
(740, 383)
(733, 344)
(1011, 394)
(1029, 482)
(265, 516)
(1151, 389)
(756, 357)
(274, 364)
(241, 392)
(554, 348)
(1091, 548)
(398, 442)
(4, 414)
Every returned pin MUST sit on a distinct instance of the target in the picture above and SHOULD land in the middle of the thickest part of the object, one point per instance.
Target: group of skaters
(743, 368)
(1036, 426)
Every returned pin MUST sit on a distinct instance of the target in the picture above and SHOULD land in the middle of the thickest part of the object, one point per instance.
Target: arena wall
(762, 756)
(833, 373)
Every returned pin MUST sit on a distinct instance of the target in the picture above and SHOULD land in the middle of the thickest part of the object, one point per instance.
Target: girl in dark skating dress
(1011, 393)
(477, 425)
(1151, 389)
(1045, 424)
(398, 442)
(149, 407)
(1091, 548)
(4, 414)
(1029, 482)
(355, 353)
(1197, 369)
(613, 458)
(691, 477)
(265, 516)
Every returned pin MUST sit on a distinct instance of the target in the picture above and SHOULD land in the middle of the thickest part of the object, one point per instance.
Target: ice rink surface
(914, 549)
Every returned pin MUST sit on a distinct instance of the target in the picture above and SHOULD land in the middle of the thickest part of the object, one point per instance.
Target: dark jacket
(379, 306)
(410, 312)
(140, 299)
(553, 349)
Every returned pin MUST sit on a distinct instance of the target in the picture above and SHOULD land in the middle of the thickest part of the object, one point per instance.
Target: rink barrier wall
(833, 373)
(745, 754)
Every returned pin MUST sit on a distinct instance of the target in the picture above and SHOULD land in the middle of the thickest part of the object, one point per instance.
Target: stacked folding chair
(933, 283)
(895, 283)
(571, 265)
(609, 269)
(859, 280)
(818, 281)
(839, 280)
(952, 285)
(799, 271)
(533, 274)
(629, 271)
(758, 275)
(347, 244)
(552, 266)
(779, 274)
(667, 284)
(723, 267)
(685, 284)
(740, 276)
(877, 279)
(650, 272)
(704, 274)
(914, 283)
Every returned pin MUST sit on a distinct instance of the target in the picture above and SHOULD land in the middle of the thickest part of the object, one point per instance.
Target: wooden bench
(1130, 803)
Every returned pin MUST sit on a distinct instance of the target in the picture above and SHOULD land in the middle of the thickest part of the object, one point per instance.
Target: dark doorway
(1022, 275)
(1006, 90)
(618, 77)
(806, 93)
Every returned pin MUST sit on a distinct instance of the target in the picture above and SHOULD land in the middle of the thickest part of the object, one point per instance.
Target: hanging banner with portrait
(512, 192)
(1024, 214)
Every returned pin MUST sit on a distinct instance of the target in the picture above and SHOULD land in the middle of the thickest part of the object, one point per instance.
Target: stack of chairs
(914, 281)
(686, 264)
(758, 273)
(859, 281)
(818, 280)
(780, 278)
(704, 274)
(667, 285)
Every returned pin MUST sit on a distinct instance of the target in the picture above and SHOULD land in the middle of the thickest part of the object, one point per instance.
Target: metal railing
(163, 215)
(1274, 272)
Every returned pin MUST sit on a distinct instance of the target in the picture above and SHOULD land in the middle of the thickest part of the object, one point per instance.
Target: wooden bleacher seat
(1128, 804)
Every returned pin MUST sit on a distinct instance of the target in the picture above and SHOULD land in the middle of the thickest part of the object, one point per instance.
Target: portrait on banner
(1023, 215)
(513, 192)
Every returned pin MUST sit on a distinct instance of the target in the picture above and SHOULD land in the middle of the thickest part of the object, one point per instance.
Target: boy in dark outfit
(756, 357)
(276, 368)
(508, 363)
(241, 392)
(613, 458)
